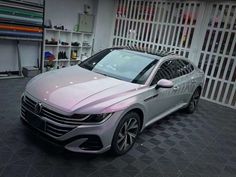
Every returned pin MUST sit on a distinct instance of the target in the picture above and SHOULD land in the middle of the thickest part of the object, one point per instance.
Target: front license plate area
(35, 121)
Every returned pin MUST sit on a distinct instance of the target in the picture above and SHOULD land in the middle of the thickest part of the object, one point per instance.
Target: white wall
(66, 12)
(60, 12)
(29, 52)
(8, 58)
(104, 24)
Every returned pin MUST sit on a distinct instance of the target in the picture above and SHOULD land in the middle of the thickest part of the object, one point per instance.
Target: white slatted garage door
(201, 31)
(218, 54)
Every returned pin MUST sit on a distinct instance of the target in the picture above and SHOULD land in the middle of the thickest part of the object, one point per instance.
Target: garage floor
(201, 145)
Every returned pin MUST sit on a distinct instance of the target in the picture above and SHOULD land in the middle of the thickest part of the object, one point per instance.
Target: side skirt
(165, 114)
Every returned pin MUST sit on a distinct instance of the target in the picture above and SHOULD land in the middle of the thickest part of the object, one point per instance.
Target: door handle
(193, 80)
(175, 88)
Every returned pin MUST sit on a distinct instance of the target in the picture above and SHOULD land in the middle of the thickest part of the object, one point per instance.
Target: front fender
(126, 106)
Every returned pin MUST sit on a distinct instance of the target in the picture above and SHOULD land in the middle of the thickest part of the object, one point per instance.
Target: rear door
(185, 80)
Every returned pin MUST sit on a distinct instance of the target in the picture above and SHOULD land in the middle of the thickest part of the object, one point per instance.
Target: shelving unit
(21, 21)
(61, 44)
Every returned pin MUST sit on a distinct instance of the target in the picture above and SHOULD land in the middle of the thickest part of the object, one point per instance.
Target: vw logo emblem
(38, 108)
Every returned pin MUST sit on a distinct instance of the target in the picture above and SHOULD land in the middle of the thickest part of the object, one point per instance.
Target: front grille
(30, 104)
(56, 130)
(52, 115)
(62, 125)
(68, 120)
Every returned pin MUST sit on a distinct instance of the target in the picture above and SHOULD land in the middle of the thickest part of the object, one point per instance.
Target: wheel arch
(141, 115)
(199, 88)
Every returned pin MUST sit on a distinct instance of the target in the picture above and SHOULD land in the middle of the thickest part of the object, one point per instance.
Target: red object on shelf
(20, 28)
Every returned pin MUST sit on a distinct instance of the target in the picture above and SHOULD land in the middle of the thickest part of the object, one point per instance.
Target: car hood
(71, 88)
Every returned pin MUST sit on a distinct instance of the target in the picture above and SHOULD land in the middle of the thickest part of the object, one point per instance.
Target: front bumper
(95, 138)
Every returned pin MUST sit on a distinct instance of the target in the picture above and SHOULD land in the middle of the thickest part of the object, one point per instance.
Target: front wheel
(126, 133)
(194, 101)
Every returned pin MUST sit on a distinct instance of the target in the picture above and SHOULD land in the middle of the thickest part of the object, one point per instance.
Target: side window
(188, 66)
(180, 70)
(166, 71)
(183, 67)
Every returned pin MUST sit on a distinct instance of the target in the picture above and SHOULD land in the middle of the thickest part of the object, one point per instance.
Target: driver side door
(162, 100)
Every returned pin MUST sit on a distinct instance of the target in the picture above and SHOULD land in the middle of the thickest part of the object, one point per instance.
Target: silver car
(106, 101)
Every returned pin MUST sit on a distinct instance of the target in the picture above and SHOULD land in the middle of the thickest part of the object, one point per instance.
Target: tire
(193, 101)
(126, 133)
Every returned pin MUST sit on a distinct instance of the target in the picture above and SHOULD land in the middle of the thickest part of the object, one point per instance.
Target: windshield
(121, 64)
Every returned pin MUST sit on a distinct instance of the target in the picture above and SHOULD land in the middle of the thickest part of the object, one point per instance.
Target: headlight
(92, 118)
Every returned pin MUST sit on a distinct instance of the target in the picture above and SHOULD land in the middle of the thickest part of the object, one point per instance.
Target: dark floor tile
(159, 150)
(40, 171)
(110, 169)
(147, 159)
(179, 136)
(128, 158)
(5, 157)
(190, 171)
(211, 158)
(165, 135)
(232, 160)
(99, 173)
(154, 141)
(130, 170)
(229, 171)
(169, 142)
(173, 129)
(142, 149)
(15, 170)
(151, 172)
(189, 174)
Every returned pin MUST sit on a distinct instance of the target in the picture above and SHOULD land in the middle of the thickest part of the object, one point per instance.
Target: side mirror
(164, 83)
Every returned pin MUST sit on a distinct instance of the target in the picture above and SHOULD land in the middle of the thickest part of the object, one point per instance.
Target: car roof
(160, 55)
(154, 57)
(153, 53)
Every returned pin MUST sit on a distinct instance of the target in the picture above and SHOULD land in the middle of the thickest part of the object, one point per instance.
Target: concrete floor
(199, 145)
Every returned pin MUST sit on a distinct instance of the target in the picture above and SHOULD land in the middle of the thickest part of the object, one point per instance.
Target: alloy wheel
(127, 134)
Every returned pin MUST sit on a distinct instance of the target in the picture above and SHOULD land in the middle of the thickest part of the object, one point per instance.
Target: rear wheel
(194, 101)
(126, 133)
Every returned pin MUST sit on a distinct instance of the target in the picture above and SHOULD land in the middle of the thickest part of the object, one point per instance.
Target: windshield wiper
(101, 73)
